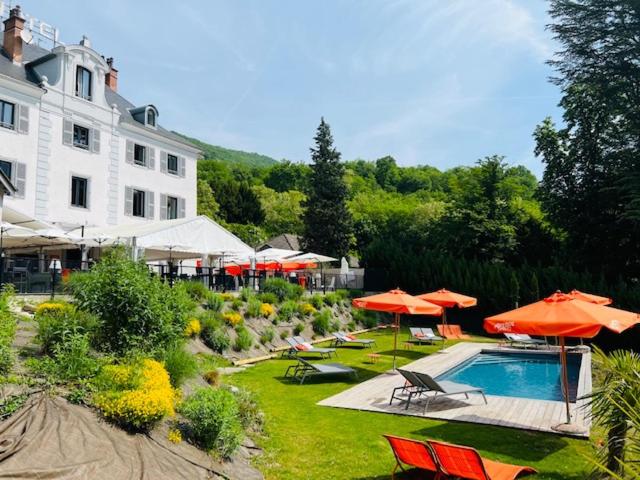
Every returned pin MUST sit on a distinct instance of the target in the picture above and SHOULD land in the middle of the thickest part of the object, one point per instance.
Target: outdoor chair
(452, 332)
(412, 387)
(413, 453)
(457, 461)
(342, 338)
(445, 388)
(303, 370)
(524, 340)
(298, 345)
(423, 335)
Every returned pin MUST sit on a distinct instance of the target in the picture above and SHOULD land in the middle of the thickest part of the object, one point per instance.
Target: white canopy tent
(182, 238)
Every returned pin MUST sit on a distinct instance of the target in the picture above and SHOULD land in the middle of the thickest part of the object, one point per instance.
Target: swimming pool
(526, 375)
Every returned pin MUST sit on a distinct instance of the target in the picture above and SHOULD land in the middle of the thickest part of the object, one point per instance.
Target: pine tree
(327, 220)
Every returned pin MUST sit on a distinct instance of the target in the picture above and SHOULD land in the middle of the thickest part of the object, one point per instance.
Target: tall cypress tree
(327, 220)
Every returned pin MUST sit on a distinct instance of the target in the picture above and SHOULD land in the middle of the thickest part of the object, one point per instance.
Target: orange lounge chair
(465, 462)
(452, 332)
(413, 453)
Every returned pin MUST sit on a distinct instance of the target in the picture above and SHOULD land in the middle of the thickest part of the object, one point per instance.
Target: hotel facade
(77, 152)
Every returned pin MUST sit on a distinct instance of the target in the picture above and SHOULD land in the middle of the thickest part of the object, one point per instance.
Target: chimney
(12, 43)
(111, 78)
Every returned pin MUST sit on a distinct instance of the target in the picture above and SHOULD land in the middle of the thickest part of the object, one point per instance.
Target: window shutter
(129, 155)
(150, 205)
(181, 208)
(181, 166)
(163, 161)
(21, 178)
(163, 206)
(88, 193)
(128, 201)
(95, 140)
(67, 132)
(151, 164)
(23, 119)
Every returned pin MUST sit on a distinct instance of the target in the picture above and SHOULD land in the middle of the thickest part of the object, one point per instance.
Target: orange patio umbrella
(397, 302)
(448, 299)
(562, 315)
(589, 297)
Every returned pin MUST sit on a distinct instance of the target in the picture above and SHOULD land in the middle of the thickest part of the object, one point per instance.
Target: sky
(434, 82)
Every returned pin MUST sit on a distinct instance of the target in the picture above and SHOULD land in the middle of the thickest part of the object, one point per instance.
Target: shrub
(366, 318)
(342, 294)
(243, 339)
(193, 328)
(135, 396)
(213, 419)
(236, 304)
(179, 364)
(322, 322)
(267, 335)
(253, 307)
(288, 310)
(212, 377)
(335, 325)
(198, 291)
(247, 294)
(298, 329)
(351, 326)
(279, 287)
(73, 359)
(268, 298)
(52, 308)
(137, 311)
(232, 318)
(214, 301)
(7, 331)
(284, 334)
(306, 309)
(214, 335)
(250, 415)
(331, 299)
(266, 310)
(57, 323)
(317, 301)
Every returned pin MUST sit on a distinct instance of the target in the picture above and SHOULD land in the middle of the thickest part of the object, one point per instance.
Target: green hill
(236, 157)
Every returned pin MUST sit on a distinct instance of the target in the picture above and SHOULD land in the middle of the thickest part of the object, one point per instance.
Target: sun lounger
(299, 345)
(342, 338)
(445, 388)
(412, 387)
(465, 462)
(303, 370)
(452, 332)
(524, 340)
(413, 453)
(423, 335)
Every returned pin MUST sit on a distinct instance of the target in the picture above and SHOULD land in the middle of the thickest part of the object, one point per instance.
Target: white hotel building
(77, 152)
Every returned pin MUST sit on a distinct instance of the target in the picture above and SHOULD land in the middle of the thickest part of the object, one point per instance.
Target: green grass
(306, 441)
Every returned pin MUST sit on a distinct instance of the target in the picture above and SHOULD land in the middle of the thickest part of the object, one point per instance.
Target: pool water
(525, 375)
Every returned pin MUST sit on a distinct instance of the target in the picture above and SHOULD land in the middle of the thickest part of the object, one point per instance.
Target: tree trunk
(616, 439)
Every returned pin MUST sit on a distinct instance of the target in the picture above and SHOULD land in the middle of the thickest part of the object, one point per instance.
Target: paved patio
(540, 415)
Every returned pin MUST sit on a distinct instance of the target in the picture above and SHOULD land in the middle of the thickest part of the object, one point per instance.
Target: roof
(33, 55)
(286, 241)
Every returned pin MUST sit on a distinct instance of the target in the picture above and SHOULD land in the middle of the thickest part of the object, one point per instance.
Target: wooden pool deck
(528, 414)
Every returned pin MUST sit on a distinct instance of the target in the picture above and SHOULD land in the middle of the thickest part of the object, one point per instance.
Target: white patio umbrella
(313, 258)
(15, 232)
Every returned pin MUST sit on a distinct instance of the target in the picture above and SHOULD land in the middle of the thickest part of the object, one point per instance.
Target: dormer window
(151, 117)
(83, 83)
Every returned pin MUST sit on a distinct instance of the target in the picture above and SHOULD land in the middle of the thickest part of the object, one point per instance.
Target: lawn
(306, 441)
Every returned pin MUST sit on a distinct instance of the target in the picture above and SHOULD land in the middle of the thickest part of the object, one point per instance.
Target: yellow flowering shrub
(193, 328)
(307, 309)
(232, 318)
(52, 308)
(266, 310)
(136, 396)
(227, 297)
(174, 435)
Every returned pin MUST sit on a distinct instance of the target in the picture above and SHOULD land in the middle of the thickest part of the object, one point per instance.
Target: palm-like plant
(614, 406)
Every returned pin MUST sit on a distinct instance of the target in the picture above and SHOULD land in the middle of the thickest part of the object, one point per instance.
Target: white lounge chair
(524, 340)
(342, 338)
(303, 370)
(423, 335)
(298, 345)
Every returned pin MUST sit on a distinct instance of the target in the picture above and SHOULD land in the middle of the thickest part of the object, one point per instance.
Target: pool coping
(514, 412)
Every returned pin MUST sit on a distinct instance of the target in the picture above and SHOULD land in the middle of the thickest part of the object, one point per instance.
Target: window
(7, 110)
(139, 203)
(83, 83)
(172, 208)
(7, 168)
(172, 164)
(80, 136)
(151, 117)
(139, 154)
(79, 188)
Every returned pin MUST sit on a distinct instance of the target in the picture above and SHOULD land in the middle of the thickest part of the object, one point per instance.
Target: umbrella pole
(565, 377)
(396, 327)
(444, 328)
